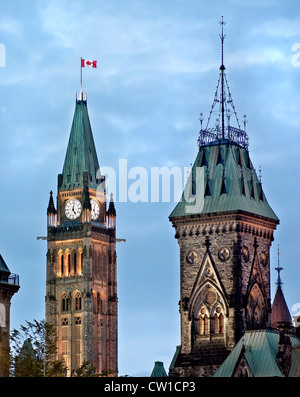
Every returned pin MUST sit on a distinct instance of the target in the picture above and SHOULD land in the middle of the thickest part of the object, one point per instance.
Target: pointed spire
(223, 98)
(280, 311)
(111, 213)
(278, 268)
(51, 211)
(51, 207)
(81, 155)
(222, 69)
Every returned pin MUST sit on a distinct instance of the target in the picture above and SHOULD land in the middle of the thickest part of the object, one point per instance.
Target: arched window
(203, 322)
(211, 318)
(256, 309)
(74, 262)
(219, 321)
(68, 263)
(206, 324)
(217, 325)
(61, 264)
(79, 262)
(64, 303)
(78, 301)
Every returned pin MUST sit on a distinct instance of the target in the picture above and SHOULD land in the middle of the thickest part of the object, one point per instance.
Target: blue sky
(157, 70)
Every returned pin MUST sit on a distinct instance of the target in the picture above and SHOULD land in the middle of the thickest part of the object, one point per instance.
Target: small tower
(224, 227)
(51, 212)
(9, 285)
(280, 315)
(281, 321)
(81, 284)
(111, 213)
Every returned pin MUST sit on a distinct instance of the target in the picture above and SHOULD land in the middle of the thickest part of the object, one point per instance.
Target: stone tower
(9, 285)
(224, 227)
(81, 285)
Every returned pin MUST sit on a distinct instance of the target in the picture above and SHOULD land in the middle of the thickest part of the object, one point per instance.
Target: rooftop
(223, 179)
(81, 153)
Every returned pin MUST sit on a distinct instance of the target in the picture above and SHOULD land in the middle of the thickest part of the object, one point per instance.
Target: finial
(278, 268)
(223, 100)
(228, 114)
(245, 121)
(222, 36)
(222, 68)
(201, 118)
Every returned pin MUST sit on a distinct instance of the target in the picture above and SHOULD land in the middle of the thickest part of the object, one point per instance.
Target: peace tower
(81, 280)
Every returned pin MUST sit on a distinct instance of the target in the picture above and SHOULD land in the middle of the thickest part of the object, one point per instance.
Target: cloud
(278, 27)
(11, 26)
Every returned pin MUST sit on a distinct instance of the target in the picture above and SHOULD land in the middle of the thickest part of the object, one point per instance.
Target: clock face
(95, 209)
(73, 209)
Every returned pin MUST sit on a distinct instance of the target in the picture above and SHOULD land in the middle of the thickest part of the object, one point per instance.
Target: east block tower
(224, 226)
(81, 280)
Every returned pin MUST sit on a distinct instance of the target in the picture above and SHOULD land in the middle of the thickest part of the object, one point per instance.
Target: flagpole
(80, 78)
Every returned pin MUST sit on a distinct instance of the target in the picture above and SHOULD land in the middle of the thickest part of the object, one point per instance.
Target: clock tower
(81, 279)
(224, 226)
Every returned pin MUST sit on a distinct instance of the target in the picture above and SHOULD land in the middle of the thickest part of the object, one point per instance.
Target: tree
(87, 370)
(33, 351)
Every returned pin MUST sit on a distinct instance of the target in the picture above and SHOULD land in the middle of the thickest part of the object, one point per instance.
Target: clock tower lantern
(81, 280)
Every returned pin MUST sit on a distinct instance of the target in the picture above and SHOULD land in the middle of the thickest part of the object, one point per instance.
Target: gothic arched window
(256, 309)
(61, 264)
(219, 321)
(203, 322)
(78, 301)
(64, 303)
(74, 262)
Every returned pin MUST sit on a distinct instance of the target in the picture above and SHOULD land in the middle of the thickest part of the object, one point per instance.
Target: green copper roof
(223, 179)
(260, 349)
(81, 153)
(158, 370)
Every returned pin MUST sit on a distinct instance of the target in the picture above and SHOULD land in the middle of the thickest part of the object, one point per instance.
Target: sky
(158, 65)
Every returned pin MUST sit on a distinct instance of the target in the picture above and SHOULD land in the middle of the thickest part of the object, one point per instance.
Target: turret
(51, 212)
(111, 214)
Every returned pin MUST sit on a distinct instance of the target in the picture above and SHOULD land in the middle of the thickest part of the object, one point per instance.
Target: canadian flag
(88, 64)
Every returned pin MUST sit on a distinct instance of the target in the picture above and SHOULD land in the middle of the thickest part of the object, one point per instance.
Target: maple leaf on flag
(88, 64)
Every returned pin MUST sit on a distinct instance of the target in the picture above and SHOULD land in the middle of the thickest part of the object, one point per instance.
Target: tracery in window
(64, 302)
(211, 315)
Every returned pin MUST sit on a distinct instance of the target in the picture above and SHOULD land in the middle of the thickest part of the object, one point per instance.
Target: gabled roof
(223, 179)
(81, 153)
(260, 348)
